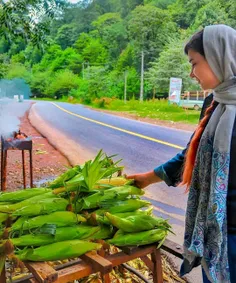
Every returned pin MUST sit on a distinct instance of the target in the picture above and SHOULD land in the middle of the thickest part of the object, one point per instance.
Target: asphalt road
(142, 147)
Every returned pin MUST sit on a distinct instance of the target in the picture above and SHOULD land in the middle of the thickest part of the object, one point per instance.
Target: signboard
(175, 90)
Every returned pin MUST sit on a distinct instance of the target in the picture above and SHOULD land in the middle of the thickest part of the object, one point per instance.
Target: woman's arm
(171, 171)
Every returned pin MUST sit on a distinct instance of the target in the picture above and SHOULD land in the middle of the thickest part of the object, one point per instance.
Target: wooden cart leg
(106, 278)
(31, 168)
(157, 270)
(23, 167)
(3, 276)
(3, 170)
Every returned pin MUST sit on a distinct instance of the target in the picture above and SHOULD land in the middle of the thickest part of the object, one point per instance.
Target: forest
(90, 49)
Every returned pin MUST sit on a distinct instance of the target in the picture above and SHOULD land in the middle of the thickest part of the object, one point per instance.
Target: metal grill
(18, 141)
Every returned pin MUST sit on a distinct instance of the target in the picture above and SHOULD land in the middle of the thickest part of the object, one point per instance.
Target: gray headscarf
(219, 42)
(206, 216)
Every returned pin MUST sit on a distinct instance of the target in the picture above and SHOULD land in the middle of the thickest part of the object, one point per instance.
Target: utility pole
(125, 89)
(83, 70)
(142, 75)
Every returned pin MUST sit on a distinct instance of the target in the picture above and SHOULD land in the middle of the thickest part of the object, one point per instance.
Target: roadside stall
(90, 217)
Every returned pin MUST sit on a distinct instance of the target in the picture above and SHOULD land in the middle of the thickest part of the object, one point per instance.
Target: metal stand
(16, 145)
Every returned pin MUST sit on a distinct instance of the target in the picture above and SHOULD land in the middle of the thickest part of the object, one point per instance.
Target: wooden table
(93, 262)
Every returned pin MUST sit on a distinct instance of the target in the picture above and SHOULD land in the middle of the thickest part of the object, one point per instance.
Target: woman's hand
(143, 180)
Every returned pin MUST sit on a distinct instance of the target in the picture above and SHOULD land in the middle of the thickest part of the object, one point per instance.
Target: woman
(208, 165)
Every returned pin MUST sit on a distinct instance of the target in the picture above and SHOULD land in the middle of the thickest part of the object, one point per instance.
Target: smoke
(10, 112)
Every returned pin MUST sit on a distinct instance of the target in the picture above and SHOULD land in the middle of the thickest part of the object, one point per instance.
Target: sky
(74, 1)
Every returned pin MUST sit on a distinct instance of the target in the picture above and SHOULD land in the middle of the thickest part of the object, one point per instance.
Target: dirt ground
(47, 161)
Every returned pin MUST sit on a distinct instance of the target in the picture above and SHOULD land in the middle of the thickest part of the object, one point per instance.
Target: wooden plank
(148, 262)
(132, 249)
(157, 271)
(121, 257)
(98, 263)
(106, 278)
(74, 272)
(42, 272)
(3, 276)
(173, 248)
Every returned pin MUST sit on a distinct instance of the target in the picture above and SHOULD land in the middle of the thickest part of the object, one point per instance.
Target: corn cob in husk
(58, 251)
(71, 186)
(126, 205)
(102, 219)
(59, 219)
(69, 174)
(104, 232)
(116, 193)
(13, 207)
(3, 217)
(33, 240)
(44, 206)
(21, 195)
(137, 223)
(113, 182)
(138, 239)
(62, 234)
(76, 232)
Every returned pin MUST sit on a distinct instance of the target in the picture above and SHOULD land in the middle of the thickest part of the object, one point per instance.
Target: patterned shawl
(206, 218)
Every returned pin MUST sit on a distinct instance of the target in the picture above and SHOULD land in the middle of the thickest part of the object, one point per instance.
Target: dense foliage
(89, 47)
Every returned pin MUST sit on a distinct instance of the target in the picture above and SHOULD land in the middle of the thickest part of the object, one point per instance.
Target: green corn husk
(116, 193)
(59, 218)
(3, 217)
(137, 223)
(102, 219)
(58, 251)
(33, 240)
(71, 185)
(92, 171)
(69, 174)
(21, 195)
(113, 182)
(104, 232)
(77, 232)
(45, 206)
(139, 238)
(127, 205)
(13, 207)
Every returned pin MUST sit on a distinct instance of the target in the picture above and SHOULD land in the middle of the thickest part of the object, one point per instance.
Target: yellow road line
(119, 129)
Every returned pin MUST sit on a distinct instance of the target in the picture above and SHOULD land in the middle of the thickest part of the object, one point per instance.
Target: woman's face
(201, 71)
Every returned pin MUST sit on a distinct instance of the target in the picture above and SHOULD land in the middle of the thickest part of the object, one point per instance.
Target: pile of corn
(87, 203)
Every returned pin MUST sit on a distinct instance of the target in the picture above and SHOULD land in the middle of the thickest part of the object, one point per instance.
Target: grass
(154, 109)
(157, 109)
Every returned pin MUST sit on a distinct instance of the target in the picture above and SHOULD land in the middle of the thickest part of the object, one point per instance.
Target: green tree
(94, 52)
(184, 11)
(66, 35)
(126, 59)
(18, 71)
(28, 19)
(171, 63)
(210, 14)
(150, 27)
(111, 30)
(162, 4)
(62, 83)
(69, 59)
(39, 83)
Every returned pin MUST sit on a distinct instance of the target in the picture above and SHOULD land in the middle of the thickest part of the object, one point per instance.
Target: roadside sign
(175, 90)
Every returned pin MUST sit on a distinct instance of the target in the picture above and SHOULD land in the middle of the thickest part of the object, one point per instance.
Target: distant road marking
(118, 129)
